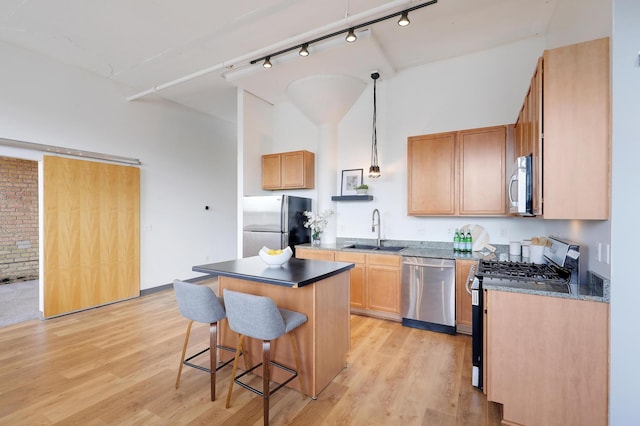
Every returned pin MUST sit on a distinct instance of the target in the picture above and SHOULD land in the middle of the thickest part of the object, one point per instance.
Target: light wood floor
(117, 365)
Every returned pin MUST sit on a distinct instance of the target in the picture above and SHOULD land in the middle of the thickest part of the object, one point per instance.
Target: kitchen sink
(371, 247)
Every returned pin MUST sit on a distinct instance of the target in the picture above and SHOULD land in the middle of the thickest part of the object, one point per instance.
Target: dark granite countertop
(294, 273)
(595, 289)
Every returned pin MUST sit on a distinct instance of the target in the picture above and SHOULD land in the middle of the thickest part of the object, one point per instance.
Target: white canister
(514, 248)
(536, 254)
(525, 248)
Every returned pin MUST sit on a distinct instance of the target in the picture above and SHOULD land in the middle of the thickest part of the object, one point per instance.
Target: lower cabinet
(463, 299)
(547, 359)
(383, 283)
(374, 281)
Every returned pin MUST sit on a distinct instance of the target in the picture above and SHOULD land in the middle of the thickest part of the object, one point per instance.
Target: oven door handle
(470, 277)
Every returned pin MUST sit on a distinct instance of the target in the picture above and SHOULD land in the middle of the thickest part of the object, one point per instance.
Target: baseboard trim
(169, 286)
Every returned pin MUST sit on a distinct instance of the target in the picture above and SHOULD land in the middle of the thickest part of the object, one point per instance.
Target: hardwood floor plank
(117, 364)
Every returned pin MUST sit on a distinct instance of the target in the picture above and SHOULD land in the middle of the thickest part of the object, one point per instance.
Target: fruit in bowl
(275, 258)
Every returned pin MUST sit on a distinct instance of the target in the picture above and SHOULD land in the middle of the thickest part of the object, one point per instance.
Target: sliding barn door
(91, 234)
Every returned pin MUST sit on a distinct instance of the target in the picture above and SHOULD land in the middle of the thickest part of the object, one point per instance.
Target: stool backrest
(254, 316)
(198, 302)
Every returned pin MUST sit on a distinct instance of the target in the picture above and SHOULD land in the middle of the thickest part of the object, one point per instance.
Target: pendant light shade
(374, 169)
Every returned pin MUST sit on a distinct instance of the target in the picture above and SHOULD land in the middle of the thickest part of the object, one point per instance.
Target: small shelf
(351, 197)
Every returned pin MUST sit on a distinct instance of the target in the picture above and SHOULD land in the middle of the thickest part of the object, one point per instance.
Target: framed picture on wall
(351, 179)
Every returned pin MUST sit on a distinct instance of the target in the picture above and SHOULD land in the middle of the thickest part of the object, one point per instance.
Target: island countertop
(294, 273)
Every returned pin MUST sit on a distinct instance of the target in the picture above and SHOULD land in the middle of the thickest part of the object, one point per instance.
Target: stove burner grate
(520, 271)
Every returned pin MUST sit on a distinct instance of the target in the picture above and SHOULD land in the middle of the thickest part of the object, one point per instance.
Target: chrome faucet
(374, 224)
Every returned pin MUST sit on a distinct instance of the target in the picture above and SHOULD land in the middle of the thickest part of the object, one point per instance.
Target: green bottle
(468, 242)
(456, 241)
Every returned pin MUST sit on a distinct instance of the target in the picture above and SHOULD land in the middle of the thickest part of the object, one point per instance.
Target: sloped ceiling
(144, 44)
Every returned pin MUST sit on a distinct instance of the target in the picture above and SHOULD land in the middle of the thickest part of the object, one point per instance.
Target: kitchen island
(319, 289)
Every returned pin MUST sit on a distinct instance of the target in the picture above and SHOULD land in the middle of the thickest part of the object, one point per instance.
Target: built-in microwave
(520, 187)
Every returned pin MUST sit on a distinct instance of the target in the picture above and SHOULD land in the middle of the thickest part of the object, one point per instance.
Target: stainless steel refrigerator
(274, 221)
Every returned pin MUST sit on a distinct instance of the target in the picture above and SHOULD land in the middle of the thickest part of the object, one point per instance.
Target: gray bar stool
(199, 303)
(258, 317)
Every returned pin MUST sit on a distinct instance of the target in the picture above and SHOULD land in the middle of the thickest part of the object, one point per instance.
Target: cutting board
(480, 237)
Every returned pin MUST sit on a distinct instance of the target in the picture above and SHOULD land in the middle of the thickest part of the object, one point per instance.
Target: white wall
(483, 89)
(185, 156)
(625, 345)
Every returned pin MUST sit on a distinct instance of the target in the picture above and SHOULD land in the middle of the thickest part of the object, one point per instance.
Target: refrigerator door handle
(284, 212)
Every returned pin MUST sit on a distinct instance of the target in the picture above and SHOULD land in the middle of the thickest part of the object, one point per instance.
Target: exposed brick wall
(18, 220)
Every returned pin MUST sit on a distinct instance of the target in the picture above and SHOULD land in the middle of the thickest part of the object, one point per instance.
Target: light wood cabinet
(383, 281)
(577, 131)
(458, 173)
(431, 174)
(565, 125)
(288, 170)
(463, 299)
(528, 135)
(309, 253)
(482, 169)
(547, 358)
(357, 297)
(375, 281)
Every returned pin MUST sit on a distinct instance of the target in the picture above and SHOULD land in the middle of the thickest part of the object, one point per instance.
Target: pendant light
(374, 169)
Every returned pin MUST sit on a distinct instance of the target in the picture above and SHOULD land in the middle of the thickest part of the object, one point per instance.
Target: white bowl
(275, 260)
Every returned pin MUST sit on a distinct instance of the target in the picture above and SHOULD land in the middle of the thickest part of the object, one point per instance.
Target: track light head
(404, 19)
(304, 50)
(267, 62)
(351, 36)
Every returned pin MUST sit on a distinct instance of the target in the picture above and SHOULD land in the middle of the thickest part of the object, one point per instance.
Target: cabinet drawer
(314, 254)
(384, 260)
(350, 257)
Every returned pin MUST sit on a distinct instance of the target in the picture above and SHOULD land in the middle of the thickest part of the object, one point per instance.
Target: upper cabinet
(288, 170)
(458, 173)
(577, 133)
(528, 135)
(565, 124)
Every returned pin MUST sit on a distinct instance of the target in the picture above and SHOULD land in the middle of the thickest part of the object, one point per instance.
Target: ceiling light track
(351, 37)
(241, 61)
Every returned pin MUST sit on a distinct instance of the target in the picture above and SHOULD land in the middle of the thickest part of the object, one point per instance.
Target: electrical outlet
(608, 254)
(503, 232)
(599, 252)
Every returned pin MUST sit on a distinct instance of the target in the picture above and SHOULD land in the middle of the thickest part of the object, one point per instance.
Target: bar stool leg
(266, 364)
(235, 368)
(213, 356)
(184, 353)
(296, 357)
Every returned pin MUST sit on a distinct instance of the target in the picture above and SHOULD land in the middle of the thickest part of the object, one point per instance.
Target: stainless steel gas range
(558, 274)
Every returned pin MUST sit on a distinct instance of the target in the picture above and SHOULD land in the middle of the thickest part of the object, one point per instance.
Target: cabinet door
(431, 174)
(463, 299)
(535, 137)
(383, 283)
(292, 169)
(314, 254)
(482, 171)
(271, 171)
(357, 277)
(534, 340)
(577, 133)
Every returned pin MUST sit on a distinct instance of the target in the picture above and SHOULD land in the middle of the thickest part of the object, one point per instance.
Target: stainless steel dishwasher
(429, 294)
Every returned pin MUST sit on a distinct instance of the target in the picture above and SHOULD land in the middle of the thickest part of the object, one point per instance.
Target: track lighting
(404, 19)
(351, 36)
